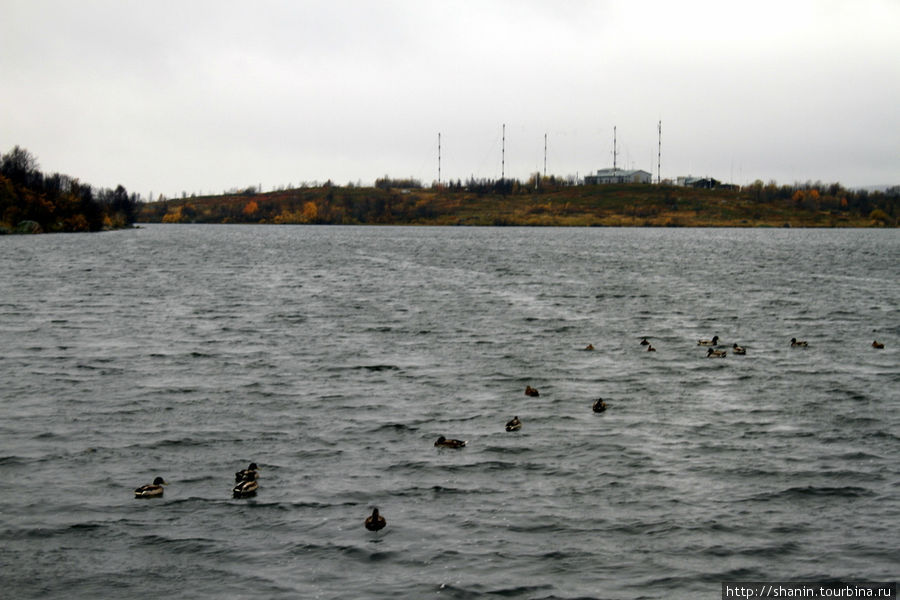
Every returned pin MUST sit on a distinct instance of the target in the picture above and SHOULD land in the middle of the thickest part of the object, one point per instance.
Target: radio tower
(658, 153)
(614, 151)
(503, 155)
(439, 159)
(545, 155)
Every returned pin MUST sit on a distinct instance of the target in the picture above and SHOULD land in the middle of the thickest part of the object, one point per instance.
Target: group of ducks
(514, 424)
(714, 352)
(245, 484)
(246, 480)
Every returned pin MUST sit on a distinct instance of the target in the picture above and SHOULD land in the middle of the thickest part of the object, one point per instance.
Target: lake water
(335, 356)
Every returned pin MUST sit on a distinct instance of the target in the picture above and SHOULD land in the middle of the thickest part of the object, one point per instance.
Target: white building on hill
(618, 176)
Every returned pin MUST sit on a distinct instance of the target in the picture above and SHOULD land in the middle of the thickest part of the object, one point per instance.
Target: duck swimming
(795, 343)
(599, 405)
(877, 344)
(711, 353)
(738, 349)
(644, 342)
(374, 522)
(443, 442)
(151, 490)
(589, 347)
(514, 424)
(251, 472)
(713, 342)
(530, 391)
(245, 489)
(650, 348)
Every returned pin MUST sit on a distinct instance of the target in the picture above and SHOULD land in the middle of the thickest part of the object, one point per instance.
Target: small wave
(354, 552)
(526, 591)
(189, 546)
(374, 368)
(730, 550)
(815, 492)
(170, 443)
(398, 427)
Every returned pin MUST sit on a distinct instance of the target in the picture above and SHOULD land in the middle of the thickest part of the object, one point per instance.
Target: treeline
(832, 197)
(32, 202)
(541, 201)
(328, 204)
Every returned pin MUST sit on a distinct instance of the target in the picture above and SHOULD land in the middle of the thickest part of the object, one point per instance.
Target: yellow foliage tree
(310, 212)
(251, 208)
(173, 216)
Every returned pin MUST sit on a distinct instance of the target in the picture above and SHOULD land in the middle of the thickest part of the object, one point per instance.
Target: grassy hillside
(582, 206)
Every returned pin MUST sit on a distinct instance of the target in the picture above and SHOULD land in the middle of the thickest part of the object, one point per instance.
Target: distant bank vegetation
(32, 202)
(541, 201)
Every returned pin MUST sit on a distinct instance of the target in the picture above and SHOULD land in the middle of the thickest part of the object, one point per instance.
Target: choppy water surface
(334, 357)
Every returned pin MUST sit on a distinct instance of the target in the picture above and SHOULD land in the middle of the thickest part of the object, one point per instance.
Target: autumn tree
(250, 209)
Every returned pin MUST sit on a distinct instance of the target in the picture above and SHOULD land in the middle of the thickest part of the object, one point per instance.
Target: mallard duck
(711, 353)
(877, 344)
(795, 343)
(599, 405)
(713, 342)
(246, 488)
(151, 490)
(589, 347)
(650, 348)
(514, 424)
(251, 473)
(443, 442)
(374, 522)
(530, 391)
(738, 349)
(644, 342)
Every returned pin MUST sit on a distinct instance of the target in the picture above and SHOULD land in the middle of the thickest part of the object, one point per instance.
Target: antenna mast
(614, 150)
(439, 159)
(503, 155)
(545, 155)
(659, 153)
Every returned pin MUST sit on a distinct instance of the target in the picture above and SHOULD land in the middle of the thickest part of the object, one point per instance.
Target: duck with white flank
(443, 442)
(514, 424)
(712, 353)
(713, 342)
(151, 490)
(251, 472)
(245, 489)
(247, 483)
(599, 405)
(738, 349)
(375, 521)
(795, 343)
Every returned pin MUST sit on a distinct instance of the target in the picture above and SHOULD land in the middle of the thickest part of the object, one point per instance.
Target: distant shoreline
(625, 205)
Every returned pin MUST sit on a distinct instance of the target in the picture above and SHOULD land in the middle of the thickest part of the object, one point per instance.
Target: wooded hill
(32, 202)
(541, 202)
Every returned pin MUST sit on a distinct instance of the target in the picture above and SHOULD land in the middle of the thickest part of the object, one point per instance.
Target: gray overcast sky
(201, 96)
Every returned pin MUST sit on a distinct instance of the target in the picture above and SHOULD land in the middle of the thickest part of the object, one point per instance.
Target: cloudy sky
(201, 96)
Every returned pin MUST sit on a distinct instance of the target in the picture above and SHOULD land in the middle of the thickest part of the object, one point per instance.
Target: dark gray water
(334, 357)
